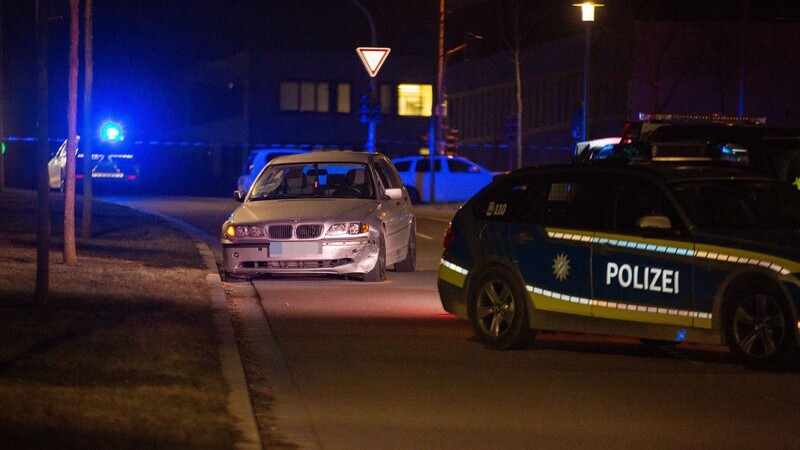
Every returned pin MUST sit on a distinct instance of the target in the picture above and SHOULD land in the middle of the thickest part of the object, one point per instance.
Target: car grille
(301, 232)
(308, 231)
(280, 231)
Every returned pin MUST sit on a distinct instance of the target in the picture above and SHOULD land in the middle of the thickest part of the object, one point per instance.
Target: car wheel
(413, 195)
(759, 328)
(409, 264)
(498, 310)
(378, 273)
(231, 278)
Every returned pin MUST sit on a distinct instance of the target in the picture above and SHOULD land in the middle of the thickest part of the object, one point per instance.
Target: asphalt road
(381, 365)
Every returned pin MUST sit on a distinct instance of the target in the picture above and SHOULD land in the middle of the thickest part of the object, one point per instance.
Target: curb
(239, 404)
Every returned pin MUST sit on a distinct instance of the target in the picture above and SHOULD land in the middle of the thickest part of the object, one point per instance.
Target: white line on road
(425, 236)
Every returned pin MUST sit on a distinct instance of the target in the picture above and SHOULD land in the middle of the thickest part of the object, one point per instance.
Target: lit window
(414, 99)
(305, 96)
(343, 98)
(290, 98)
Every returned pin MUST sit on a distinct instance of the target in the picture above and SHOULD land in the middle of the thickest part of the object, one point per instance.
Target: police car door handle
(522, 238)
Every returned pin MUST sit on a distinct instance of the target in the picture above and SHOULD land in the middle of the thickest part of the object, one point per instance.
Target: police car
(698, 252)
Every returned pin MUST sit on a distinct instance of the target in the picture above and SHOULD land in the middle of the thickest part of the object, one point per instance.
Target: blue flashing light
(112, 132)
(681, 336)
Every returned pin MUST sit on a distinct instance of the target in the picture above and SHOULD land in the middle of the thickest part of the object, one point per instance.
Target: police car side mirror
(238, 196)
(654, 223)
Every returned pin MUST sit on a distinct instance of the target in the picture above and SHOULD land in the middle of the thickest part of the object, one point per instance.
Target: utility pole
(373, 93)
(440, 107)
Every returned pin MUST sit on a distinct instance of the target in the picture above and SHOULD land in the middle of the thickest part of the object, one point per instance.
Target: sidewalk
(135, 348)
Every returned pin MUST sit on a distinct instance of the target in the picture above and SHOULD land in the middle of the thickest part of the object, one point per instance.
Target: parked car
(702, 252)
(114, 166)
(336, 213)
(749, 141)
(457, 179)
(256, 161)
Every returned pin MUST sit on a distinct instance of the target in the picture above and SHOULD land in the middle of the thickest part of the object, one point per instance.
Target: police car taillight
(449, 236)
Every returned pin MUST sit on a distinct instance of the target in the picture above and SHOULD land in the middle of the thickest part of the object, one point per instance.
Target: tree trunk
(43, 154)
(88, 131)
(70, 253)
(2, 110)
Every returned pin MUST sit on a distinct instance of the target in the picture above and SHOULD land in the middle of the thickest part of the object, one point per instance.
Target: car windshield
(740, 205)
(313, 180)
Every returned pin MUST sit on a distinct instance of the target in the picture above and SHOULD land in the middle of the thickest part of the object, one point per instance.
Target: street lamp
(587, 16)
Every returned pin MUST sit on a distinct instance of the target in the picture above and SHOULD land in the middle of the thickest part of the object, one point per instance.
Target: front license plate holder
(294, 249)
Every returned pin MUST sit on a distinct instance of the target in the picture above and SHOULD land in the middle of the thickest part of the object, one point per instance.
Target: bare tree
(2, 110)
(88, 134)
(43, 154)
(667, 60)
(70, 252)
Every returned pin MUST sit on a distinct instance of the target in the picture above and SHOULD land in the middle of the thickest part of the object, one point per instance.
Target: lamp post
(372, 91)
(587, 16)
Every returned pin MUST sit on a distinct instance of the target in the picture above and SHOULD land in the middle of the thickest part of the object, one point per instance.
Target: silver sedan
(338, 213)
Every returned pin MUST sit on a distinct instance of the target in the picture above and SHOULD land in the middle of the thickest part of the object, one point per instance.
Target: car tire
(409, 264)
(413, 195)
(498, 310)
(759, 327)
(378, 273)
(231, 278)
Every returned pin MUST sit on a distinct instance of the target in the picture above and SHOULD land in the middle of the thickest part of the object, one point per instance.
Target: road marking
(425, 236)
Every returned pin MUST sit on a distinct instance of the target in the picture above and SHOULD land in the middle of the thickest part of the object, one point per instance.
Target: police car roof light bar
(718, 118)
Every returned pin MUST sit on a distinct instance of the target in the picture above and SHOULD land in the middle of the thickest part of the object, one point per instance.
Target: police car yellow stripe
(559, 302)
(452, 273)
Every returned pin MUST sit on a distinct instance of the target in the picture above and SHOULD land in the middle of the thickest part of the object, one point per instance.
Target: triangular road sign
(373, 58)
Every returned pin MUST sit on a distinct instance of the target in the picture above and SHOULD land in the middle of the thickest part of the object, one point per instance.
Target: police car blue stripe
(669, 250)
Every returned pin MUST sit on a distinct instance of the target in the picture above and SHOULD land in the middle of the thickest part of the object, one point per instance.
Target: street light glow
(587, 10)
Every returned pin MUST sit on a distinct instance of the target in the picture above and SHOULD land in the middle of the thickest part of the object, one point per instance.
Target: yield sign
(373, 58)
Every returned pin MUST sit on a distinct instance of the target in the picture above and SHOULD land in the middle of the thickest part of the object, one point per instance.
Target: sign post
(372, 58)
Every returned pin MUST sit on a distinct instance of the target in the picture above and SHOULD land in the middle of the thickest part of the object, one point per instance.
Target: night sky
(138, 45)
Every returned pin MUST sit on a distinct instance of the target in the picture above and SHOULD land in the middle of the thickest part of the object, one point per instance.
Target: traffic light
(111, 132)
(451, 139)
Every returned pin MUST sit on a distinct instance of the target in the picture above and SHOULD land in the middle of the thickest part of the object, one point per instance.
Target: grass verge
(125, 354)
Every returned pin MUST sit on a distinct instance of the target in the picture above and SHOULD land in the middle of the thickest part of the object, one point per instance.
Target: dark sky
(142, 42)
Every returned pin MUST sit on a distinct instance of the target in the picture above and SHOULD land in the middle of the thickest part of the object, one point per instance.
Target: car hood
(303, 210)
(782, 243)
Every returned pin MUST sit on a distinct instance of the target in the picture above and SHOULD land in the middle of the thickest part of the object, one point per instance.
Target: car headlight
(241, 231)
(348, 228)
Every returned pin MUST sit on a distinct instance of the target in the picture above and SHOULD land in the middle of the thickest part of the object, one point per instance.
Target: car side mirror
(238, 196)
(394, 193)
(654, 223)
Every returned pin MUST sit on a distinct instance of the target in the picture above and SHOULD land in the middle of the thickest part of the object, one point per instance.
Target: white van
(256, 161)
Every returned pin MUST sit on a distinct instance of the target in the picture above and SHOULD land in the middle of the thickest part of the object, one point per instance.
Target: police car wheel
(759, 328)
(498, 310)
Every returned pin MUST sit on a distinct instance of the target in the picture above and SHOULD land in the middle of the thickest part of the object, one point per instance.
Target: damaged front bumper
(336, 257)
